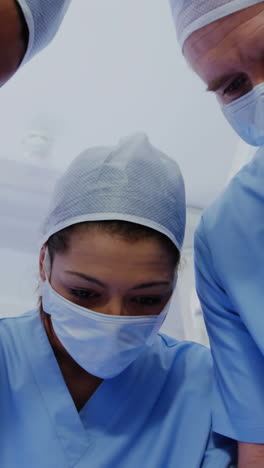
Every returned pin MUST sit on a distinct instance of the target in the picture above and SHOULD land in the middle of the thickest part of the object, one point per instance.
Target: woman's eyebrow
(86, 278)
(152, 284)
(100, 283)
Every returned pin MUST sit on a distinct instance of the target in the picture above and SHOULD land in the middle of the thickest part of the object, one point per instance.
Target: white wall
(18, 282)
(113, 69)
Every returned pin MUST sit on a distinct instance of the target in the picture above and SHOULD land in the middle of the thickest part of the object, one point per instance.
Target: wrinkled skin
(228, 55)
(13, 39)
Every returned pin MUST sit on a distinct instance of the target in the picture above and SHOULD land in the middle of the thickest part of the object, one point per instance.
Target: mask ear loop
(175, 281)
(47, 264)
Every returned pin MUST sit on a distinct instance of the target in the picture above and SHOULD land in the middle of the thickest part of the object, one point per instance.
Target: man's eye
(148, 301)
(83, 293)
(235, 85)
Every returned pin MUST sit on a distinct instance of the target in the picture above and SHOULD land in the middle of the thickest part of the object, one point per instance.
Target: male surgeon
(223, 41)
(26, 27)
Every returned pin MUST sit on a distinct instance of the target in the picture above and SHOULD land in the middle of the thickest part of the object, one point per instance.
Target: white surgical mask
(246, 116)
(103, 345)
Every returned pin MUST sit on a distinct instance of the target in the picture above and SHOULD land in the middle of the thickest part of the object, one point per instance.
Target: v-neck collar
(77, 432)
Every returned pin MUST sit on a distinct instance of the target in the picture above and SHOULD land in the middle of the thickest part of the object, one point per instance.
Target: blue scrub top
(229, 259)
(156, 414)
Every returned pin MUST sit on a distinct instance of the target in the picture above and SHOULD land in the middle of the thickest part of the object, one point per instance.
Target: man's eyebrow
(215, 84)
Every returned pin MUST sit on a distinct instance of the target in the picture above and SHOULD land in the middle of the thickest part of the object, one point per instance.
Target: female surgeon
(86, 379)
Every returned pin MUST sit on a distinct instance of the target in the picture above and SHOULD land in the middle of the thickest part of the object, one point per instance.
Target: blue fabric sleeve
(238, 410)
(221, 452)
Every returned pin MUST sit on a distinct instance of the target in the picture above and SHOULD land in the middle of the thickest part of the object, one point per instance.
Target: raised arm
(238, 363)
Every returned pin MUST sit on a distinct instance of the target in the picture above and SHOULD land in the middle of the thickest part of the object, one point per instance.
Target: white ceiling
(114, 69)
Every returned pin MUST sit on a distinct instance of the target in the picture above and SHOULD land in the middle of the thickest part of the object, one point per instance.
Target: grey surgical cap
(132, 181)
(43, 18)
(191, 15)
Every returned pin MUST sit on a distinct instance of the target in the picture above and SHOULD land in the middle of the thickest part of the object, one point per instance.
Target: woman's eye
(148, 301)
(235, 85)
(83, 293)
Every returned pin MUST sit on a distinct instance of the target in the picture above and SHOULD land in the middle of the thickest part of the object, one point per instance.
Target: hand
(251, 455)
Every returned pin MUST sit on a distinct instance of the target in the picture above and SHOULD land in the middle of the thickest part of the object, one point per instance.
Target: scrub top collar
(77, 432)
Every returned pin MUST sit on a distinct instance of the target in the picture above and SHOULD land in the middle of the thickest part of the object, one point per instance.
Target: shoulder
(243, 196)
(183, 358)
(166, 344)
(11, 326)
(226, 227)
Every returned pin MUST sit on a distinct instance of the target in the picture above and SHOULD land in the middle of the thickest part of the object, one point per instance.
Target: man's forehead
(222, 50)
(192, 15)
(222, 32)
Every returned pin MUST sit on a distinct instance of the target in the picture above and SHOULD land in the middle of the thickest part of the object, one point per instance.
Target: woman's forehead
(113, 266)
(102, 244)
(109, 255)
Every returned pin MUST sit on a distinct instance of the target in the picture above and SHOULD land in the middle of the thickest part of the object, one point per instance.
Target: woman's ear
(41, 262)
